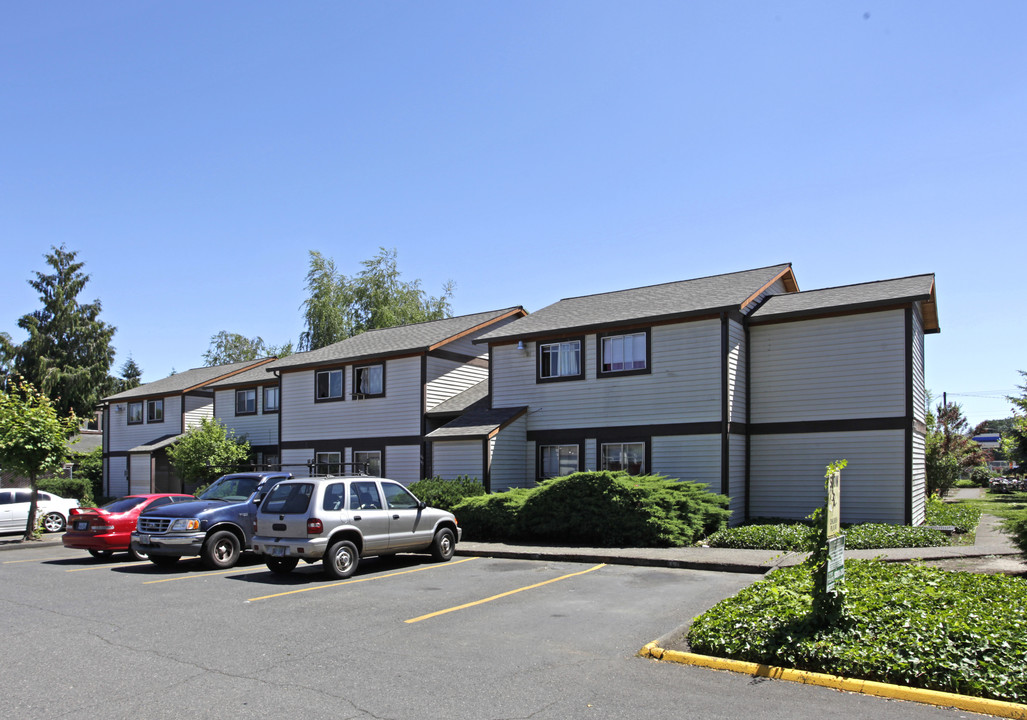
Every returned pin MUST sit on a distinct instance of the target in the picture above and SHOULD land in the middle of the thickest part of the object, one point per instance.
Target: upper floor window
(560, 360)
(155, 411)
(246, 401)
(329, 385)
(623, 354)
(369, 380)
(135, 413)
(271, 399)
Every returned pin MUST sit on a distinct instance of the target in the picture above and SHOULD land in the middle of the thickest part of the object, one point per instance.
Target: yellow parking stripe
(502, 595)
(364, 579)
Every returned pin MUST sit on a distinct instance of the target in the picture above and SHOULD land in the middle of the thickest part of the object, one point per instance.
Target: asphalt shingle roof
(461, 401)
(256, 376)
(180, 382)
(478, 422)
(646, 304)
(846, 297)
(417, 337)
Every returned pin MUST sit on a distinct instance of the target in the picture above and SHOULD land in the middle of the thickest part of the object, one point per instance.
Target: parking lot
(403, 638)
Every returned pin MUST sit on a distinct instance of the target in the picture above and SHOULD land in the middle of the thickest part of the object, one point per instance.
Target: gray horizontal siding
(787, 474)
(451, 459)
(829, 368)
(447, 378)
(510, 467)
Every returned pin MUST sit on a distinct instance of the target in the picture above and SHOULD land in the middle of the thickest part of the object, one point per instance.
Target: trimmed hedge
(79, 488)
(904, 624)
(962, 516)
(445, 494)
(600, 509)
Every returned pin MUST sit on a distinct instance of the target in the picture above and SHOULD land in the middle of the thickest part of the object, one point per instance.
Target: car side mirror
(421, 504)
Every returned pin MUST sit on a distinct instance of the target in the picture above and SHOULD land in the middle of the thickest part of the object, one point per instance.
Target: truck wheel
(341, 559)
(221, 550)
(164, 560)
(282, 566)
(135, 554)
(443, 546)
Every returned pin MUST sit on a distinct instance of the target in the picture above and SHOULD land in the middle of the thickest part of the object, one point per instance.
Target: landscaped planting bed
(905, 624)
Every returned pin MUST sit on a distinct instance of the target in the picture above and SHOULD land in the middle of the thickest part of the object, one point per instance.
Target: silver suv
(340, 519)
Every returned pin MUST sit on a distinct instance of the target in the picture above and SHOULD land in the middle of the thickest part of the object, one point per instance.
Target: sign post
(835, 538)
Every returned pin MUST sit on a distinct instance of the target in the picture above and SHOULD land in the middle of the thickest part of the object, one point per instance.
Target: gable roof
(254, 376)
(655, 303)
(480, 421)
(862, 296)
(185, 381)
(461, 401)
(400, 340)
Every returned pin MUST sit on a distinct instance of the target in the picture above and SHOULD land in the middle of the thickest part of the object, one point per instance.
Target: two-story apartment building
(736, 380)
(139, 425)
(248, 404)
(367, 399)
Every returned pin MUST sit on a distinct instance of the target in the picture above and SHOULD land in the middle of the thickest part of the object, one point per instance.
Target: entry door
(407, 530)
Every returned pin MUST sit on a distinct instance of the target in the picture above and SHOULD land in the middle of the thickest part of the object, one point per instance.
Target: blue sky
(192, 153)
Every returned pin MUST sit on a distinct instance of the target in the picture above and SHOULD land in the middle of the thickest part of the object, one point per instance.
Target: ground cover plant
(904, 624)
(600, 509)
(801, 536)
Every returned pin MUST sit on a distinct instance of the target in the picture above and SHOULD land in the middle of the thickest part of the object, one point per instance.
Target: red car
(106, 530)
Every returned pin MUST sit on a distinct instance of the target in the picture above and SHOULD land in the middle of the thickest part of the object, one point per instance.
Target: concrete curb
(584, 557)
(20, 544)
(866, 687)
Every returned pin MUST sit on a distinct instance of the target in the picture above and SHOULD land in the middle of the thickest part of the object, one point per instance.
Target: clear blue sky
(192, 153)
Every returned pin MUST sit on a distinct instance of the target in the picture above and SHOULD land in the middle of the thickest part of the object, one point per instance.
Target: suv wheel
(221, 550)
(341, 560)
(443, 546)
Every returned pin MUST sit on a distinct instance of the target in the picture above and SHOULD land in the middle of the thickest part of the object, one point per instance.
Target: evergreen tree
(68, 353)
(131, 375)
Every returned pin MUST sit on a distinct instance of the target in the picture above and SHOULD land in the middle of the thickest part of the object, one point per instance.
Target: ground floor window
(328, 463)
(373, 460)
(557, 460)
(629, 457)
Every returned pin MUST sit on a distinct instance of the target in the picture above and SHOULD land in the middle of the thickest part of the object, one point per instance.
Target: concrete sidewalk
(990, 542)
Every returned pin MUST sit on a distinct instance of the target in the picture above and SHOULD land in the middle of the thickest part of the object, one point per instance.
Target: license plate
(144, 539)
(277, 551)
(82, 525)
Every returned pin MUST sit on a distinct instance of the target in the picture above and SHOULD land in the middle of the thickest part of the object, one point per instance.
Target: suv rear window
(289, 498)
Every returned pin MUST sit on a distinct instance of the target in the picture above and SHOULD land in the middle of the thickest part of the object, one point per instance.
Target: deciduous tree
(207, 451)
(33, 438)
(339, 307)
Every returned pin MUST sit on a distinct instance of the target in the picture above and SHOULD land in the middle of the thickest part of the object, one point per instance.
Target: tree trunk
(30, 524)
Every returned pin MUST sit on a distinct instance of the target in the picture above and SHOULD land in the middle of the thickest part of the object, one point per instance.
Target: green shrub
(606, 509)
(445, 494)
(790, 537)
(875, 536)
(492, 518)
(962, 516)
(90, 466)
(906, 624)
(1017, 527)
(79, 488)
(980, 475)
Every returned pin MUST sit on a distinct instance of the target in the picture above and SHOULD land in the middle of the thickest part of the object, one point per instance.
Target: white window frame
(331, 395)
(619, 348)
(373, 458)
(138, 420)
(560, 459)
(623, 457)
(325, 461)
(561, 356)
(155, 411)
(269, 407)
(249, 395)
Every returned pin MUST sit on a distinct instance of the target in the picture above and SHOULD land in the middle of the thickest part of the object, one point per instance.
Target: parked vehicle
(217, 526)
(339, 520)
(106, 530)
(14, 510)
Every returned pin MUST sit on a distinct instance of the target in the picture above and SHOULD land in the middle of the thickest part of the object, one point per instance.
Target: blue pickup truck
(217, 526)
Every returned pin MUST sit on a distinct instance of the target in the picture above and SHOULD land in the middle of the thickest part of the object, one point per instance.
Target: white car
(14, 510)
